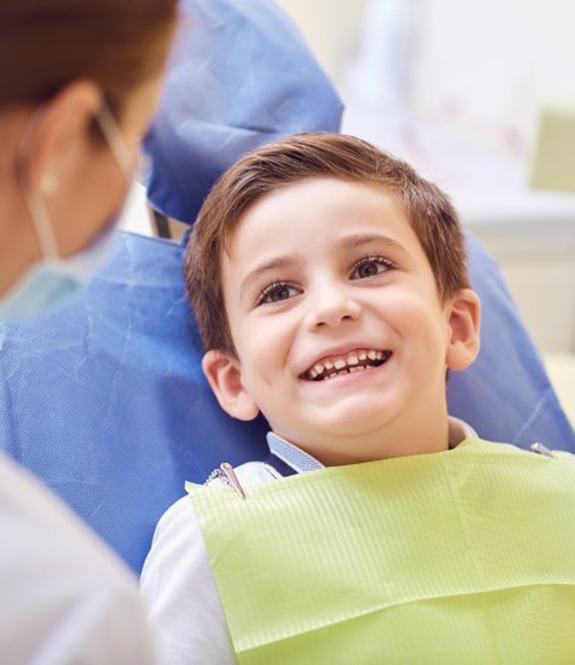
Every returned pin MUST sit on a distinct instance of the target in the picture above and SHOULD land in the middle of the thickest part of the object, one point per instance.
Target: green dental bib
(464, 556)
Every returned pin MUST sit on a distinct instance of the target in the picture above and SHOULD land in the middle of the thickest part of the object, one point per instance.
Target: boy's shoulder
(476, 443)
(180, 515)
(543, 471)
(178, 541)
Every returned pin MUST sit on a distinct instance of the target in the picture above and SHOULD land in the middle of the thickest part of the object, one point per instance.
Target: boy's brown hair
(300, 157)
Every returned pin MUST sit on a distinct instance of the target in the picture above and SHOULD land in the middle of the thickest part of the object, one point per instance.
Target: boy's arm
(180, 591)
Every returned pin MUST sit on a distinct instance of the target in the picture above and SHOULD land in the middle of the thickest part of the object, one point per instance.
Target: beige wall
(537, 260)
(496, 59)
(331, 28)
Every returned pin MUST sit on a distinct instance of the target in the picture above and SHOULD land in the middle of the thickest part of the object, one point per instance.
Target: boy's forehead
(326, 204)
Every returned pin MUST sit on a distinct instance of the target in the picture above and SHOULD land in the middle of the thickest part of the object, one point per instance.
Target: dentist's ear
(58, 136)
(224, 375)
(463, 321)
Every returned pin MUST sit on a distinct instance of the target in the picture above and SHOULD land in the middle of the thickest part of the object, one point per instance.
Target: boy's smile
(342, 362)
(342, 340)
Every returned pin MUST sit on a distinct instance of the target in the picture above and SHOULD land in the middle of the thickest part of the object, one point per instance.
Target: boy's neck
(416, 437)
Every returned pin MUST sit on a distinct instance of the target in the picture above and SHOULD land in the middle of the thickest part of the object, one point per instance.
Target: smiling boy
(322, 261)
(330, 287)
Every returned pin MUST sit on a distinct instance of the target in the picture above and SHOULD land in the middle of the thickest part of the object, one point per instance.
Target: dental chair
(105, 399)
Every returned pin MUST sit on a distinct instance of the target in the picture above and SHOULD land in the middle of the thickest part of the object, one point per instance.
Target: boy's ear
(464, 317)
(224, 375)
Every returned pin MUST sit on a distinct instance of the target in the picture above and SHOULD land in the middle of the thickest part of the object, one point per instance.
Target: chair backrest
(106, 402)
(240, 75)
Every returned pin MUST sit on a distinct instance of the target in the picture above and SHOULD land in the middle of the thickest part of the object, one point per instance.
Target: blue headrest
(240, 76)
(105, 400)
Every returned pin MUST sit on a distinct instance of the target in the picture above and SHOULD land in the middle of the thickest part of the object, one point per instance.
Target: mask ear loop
(113, 137)
(37, 208)
(43, 225)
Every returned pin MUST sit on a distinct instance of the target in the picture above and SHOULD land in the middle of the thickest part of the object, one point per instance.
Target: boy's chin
(355, 420)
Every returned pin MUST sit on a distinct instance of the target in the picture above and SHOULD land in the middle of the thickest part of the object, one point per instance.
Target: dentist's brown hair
(300, 157)
(46, 44)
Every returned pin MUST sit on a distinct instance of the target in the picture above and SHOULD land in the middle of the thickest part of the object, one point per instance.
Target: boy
(330, 286)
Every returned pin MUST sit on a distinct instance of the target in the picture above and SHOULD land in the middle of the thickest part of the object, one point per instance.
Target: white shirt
(177, 582)
(64, 598)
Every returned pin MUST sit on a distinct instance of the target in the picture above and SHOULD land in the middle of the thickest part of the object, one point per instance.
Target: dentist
(78, 86)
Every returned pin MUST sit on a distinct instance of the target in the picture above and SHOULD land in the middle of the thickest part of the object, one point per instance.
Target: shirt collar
(298, 459)
(459, 430)
(301, 462)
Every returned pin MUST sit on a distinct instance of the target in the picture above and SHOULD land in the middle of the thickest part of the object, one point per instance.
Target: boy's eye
(276, 292)
(370, 266)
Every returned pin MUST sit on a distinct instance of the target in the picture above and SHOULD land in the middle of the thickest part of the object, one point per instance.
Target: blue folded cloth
(240, 75)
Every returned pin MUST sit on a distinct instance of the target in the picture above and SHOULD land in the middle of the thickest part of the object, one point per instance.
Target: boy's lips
(333, 364)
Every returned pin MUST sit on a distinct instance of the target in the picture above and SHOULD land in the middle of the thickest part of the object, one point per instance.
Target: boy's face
(322, 277)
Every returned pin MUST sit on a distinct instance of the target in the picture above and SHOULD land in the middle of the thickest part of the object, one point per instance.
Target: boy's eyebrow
(273, 264)
(359, 239)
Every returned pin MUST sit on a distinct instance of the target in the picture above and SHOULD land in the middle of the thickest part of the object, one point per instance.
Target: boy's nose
(333, 309)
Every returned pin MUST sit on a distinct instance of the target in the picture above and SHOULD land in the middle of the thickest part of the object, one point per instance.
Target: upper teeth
(350, 360)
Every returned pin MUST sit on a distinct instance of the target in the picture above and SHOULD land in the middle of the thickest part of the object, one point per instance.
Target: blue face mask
(55, 281)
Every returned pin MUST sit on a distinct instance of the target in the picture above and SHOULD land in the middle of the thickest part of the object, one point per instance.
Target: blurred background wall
(460, 88)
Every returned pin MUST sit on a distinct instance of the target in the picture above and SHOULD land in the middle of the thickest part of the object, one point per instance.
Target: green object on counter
(553, 167)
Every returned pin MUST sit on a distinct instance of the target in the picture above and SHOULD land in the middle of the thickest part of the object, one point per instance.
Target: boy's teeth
(343, 365)
(353, 362)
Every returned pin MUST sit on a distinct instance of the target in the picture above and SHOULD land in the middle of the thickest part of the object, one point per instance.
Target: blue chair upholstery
(105, 399)
(240, 76)
(106, 402)
(506, 394)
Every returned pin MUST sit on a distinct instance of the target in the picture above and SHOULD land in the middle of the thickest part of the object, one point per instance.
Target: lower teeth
(347, 370)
